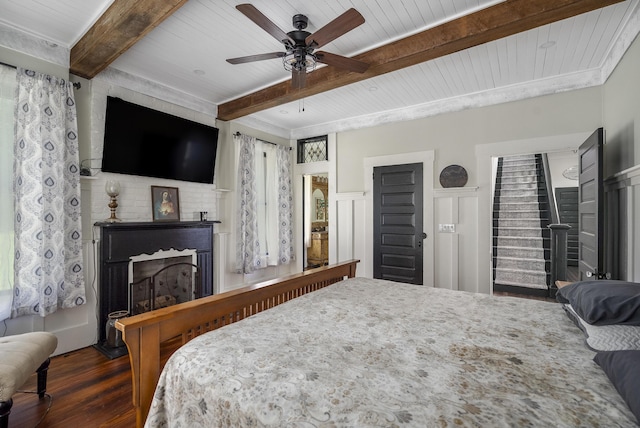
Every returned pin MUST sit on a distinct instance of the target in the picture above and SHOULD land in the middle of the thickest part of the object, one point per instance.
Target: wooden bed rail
(144, 333)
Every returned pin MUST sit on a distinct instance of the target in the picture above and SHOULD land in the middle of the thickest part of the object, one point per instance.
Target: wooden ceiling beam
(496, 22)
(120, 27)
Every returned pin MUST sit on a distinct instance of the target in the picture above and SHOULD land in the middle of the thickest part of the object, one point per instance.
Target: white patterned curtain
(285, 206)
(48, 238)
(265, 205)
(247, 243)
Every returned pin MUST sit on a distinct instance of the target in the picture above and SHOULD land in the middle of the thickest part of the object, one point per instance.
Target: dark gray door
(567, 201)
(397, 223)
(591, 208)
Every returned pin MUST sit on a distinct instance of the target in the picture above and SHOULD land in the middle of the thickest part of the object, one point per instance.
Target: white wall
(621, 113)
(134, 201)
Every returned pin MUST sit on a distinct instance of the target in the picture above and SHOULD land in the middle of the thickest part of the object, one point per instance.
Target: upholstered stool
(20, 356)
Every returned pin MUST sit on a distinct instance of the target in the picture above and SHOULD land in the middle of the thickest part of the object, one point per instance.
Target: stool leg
(42, 378)
(5, 409)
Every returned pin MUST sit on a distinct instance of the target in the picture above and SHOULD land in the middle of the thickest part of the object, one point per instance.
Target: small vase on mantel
(112, 187)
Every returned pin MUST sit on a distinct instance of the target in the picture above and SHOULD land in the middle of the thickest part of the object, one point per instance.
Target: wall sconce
(112, 188)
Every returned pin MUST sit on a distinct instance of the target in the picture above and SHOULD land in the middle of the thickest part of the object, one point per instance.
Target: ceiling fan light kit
(300, 56)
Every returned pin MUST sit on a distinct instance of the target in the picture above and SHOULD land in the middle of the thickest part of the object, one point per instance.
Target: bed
(365, 352)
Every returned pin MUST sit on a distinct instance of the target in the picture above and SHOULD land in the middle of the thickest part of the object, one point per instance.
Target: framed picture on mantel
(165, 203)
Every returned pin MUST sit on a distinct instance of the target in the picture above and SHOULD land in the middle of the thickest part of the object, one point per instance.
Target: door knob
(590, 274)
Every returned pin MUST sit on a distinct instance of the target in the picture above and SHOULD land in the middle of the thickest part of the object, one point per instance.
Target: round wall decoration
(453, 176)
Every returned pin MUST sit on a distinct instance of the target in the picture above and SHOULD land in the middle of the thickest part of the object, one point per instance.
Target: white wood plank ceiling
(187, 53)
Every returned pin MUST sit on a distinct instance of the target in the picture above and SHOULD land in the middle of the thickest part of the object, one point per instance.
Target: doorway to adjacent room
(316, 220)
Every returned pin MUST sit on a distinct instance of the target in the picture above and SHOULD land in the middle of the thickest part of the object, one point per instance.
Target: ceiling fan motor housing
(300, 21)
(299, 49)
(298, 35)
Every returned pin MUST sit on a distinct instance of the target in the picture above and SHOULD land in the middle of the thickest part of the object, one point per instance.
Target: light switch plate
(447, 228)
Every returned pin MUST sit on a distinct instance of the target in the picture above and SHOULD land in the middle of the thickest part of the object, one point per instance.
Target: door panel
(567, 201)
(591, 208)
(397, 224)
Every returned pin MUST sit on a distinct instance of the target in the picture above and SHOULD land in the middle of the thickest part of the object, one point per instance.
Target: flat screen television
(150, 143)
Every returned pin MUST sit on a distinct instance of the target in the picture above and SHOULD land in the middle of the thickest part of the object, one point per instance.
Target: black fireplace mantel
(120, 241)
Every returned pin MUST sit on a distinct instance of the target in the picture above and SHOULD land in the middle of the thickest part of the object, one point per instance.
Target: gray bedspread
(372, 353)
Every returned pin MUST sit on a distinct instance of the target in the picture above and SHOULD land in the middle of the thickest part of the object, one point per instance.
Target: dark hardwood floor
(87, 390)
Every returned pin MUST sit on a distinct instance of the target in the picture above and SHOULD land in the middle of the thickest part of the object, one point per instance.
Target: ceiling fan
(300, 54)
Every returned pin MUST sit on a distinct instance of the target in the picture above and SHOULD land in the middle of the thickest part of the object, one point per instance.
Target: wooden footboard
(144, 333)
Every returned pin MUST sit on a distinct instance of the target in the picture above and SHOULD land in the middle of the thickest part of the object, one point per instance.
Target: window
(7, 88)
(267, 197)
(312, 149)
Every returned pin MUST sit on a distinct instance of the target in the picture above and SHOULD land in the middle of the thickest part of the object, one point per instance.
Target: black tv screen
(146, 142)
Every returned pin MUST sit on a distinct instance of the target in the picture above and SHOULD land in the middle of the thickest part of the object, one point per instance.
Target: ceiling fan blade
(252, 58)
(342, 62)
(263, 22)
(298, 78)
(336, 28)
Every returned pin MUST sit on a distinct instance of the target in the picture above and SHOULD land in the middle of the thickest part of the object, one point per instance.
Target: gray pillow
(623, 370)
(606, 302)
(606, 337)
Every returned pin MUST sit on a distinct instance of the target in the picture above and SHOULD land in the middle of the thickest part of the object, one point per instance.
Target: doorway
(564, 169)
(486, 155)
(316, 220)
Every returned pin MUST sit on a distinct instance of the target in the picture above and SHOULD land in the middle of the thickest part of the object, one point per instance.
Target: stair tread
(518, 258)
(521, 271)
(521, 237)
(520, 218)
(520, 227)
(511, 247)
(519, 284)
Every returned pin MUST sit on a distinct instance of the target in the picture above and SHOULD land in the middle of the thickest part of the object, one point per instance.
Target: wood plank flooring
(87, 390)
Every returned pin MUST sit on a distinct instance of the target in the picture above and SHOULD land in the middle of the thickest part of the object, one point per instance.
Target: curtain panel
(265, 205)
(285, 205)
(48, 240)
(247, 244)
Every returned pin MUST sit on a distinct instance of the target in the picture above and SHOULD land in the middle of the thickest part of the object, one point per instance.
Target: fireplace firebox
(122, 242)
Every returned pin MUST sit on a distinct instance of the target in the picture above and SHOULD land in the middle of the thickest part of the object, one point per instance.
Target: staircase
(521, 239)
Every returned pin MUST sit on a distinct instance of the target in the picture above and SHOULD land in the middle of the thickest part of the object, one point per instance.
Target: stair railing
(558, 250)
(553, 210)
